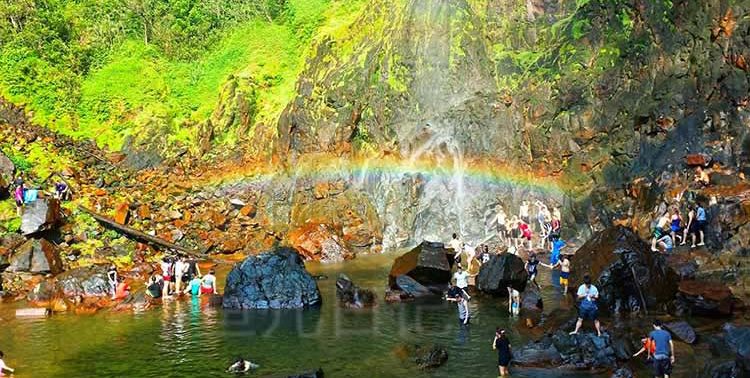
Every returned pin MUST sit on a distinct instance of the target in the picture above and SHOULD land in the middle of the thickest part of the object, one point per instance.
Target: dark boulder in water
(276, 280)
(84, 282)
(502, 271)
(412, 288)
(682, 330)
(351, 295)
(738, 339)
(581, 351)
(428, 263)
(622, 372)
(706, 298)
(625, 271)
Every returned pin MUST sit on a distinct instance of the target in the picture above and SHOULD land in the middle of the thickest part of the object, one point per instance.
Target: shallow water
(189, 338)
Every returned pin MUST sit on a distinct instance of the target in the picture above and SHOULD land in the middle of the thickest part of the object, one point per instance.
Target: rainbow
(335, 167)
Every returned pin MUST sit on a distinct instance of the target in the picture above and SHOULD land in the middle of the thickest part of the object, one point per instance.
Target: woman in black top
(504, 355)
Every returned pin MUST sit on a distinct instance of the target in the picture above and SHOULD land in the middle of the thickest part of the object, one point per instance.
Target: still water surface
(190, 339)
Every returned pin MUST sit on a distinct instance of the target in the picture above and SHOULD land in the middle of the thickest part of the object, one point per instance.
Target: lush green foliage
(102, 69)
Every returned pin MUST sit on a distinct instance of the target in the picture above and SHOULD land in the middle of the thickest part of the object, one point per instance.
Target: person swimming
(241, 366)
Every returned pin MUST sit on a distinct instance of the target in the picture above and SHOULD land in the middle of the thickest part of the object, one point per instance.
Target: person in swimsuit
(504, 354)
(208, 283)
(3, 366)
(532, 268)
(564, 265)
(676, 225)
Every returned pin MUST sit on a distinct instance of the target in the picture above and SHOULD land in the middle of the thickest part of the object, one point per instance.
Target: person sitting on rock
(208, 283)
(3, 366)
(659, 229)
(665, 244)
(701, 177)
(588, 294)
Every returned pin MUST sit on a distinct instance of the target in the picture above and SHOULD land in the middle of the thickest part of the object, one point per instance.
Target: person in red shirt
(648, 345)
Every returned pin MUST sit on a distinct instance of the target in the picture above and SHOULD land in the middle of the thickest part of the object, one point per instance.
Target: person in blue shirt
(700, 216)
(663, 354)
(194, 287)
(588, 294)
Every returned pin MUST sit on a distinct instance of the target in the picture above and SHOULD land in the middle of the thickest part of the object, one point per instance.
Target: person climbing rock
(665, 244)
(646, 346)
(660, 229)
(663, 354)
(504, 353)
(3, 366)
(588, 294)
(532, 267)
(461, 279)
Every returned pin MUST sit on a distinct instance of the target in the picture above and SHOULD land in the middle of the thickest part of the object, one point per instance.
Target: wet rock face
(429, 264)
(36, 256)
(40, 215)
(682, 330)
(318, 242)
(84, 282)
(623, 267)
(351, 295)
(275, 280)
(738, 339)
(705, 298)
(502, 271)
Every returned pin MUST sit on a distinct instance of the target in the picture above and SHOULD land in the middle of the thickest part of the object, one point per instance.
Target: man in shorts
(663, 355)
(588, 294)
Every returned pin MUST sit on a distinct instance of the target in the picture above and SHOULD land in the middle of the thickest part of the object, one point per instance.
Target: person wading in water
(588, 294)
(504, 354)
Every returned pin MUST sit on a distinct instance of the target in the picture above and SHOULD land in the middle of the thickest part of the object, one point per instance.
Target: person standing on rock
(463, 309)
(691, 227)
(532, 267)
(663, 350)
(3, 366)
(19, 195)
(504, 354)
(676, 225)
(523, 212)
(461, 278)
(112, 278)
(588, 294)
(564, 264)
(501, 220)
(700, 216)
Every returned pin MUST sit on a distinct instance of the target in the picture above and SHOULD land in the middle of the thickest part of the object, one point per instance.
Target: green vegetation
(107, 69)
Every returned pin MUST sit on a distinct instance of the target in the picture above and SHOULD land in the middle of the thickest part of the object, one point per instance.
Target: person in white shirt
(514, 301)
(588, 294)
(3, 366)
(461, 278)
(180, 270)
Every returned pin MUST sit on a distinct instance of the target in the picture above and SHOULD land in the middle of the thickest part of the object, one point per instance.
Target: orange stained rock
(122, 213)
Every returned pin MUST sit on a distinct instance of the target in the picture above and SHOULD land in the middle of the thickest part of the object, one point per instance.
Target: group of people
(518, 230)
(23, 194)
(671, 228)
(176, 272)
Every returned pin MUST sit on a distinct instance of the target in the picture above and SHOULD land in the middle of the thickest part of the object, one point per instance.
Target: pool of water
(189, 338)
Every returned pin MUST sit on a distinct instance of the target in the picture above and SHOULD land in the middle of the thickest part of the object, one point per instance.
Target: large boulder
(682, 330)
(706, 298)
(40, 215)
(625, 271)
(581, 351)
(351, 295)
(319, 242)
(738, 339)
(428, 263)
(502, 271)
(36, 256)
(84, 282)
(275, 279)
(412, 288)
